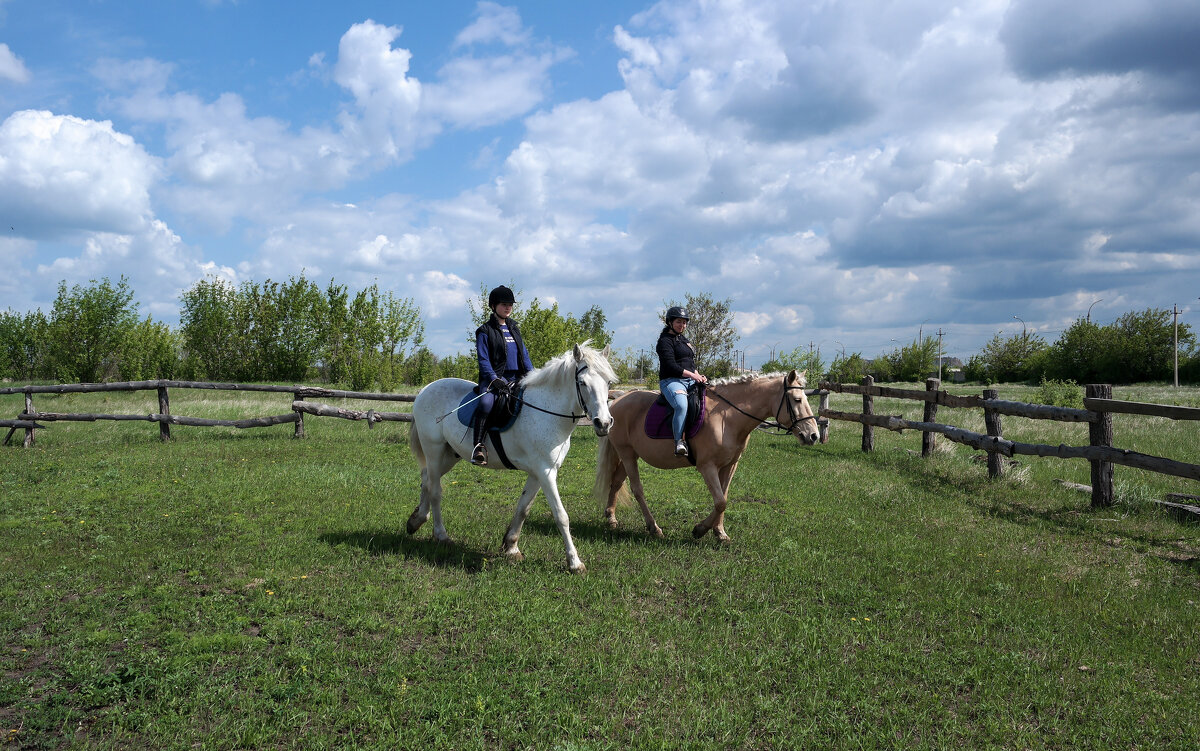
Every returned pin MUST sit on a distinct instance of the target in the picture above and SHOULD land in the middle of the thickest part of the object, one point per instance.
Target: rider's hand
(498, 385)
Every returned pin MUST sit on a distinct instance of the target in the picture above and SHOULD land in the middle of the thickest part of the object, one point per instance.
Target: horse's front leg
(549, 480)
(715, 520)
(509, 547)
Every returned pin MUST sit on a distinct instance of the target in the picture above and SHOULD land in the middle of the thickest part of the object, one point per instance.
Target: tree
(799, 359)
(23, 346)
(1012, 358)
(1145, 347)
(710, 331)
(88, 326)
(592, 325)
(847, 369)
(211, 339)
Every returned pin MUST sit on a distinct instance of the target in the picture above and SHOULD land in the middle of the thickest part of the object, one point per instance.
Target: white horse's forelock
(563, 367)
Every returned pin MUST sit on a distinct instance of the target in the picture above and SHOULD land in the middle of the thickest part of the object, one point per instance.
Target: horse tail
(606, 465)
(414, 445)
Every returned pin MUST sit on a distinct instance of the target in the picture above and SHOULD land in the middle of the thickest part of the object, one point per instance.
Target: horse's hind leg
(635, 484)
(509, 547)
(716, 520)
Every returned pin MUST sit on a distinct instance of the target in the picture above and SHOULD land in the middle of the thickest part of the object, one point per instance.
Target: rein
(776, 424)
(578, 393)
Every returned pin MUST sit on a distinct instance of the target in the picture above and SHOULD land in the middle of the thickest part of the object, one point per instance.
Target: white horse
(537, 442)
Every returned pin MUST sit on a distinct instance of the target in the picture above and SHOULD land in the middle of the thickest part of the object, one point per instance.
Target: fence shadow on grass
(378, 543)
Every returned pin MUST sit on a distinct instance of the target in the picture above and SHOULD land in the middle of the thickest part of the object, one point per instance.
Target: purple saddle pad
(658, 421)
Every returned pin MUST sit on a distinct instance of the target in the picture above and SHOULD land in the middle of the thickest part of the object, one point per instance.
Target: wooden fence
(1099, 408)
(30, 419)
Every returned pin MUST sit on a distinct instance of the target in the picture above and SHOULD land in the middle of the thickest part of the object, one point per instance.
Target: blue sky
(847, 173)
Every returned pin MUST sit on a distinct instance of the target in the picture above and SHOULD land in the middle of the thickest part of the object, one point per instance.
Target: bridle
(578, 393)
(793, 411)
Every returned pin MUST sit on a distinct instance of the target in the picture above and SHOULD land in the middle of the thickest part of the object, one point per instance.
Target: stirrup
(479, 455)
(680, 448)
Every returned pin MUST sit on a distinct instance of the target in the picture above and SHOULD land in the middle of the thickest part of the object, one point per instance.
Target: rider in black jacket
(503, 361)
(676, 370)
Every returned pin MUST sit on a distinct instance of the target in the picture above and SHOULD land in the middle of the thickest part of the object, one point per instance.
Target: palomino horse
(537, 442)
(736, 406)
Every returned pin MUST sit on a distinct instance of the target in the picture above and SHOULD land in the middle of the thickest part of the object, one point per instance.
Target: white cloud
(12, 67)
(61, 174)
(495, 23)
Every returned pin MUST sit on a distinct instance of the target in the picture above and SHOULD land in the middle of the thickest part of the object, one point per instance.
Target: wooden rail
(1098, 415)
(29, 419)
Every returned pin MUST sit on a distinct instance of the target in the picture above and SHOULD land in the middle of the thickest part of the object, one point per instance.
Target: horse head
(593, 377)
(804, 422)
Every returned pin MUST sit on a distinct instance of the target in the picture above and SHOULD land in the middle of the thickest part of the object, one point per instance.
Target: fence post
(868, 439)
(929, 439)
(992, 421)
(299, 423)
(164, 408)
(823, 423)
(29, 411)
(1100, 433)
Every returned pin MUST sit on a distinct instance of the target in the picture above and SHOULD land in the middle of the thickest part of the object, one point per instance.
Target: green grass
(241, 589)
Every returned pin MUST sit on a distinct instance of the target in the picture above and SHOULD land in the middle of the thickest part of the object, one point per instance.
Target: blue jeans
(675, 391)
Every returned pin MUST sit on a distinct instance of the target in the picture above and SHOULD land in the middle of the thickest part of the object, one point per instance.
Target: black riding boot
(479, 453)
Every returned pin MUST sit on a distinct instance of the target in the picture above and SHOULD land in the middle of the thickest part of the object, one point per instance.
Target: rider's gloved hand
(498, 386)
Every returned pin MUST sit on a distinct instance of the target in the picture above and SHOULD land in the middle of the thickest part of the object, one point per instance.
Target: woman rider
(503, 361)
(676, 370)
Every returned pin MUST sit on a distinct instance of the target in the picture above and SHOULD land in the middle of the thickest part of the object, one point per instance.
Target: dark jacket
(675, 354)
(492, 352)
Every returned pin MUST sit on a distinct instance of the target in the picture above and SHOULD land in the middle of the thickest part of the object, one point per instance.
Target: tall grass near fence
(236, 589)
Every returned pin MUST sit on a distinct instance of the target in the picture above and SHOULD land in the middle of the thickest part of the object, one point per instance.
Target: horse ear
(607, 352)
(578, 353)
(792, 376)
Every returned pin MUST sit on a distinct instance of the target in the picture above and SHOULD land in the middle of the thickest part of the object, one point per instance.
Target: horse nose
(601, 427)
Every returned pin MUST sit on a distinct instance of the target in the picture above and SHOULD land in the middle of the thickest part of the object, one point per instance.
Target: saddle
(658, 417)
(504, 413)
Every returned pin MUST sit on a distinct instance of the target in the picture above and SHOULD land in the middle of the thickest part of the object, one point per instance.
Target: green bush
(1061, 393)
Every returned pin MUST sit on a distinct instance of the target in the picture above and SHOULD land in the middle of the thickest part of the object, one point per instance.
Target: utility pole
(940, 358)
(1175, 316)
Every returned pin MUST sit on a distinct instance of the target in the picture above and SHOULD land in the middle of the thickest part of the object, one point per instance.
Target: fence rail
(28, 419)
(1099, 406)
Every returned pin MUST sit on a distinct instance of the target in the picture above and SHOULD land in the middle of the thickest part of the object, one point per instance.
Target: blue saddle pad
(466, 413)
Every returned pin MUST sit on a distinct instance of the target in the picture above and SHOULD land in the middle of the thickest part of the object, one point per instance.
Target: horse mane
(563, 367)
(745, 378)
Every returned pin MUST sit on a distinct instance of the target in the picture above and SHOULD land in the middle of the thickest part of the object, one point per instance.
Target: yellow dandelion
(866, 619)
(270, 591)
(854, 619)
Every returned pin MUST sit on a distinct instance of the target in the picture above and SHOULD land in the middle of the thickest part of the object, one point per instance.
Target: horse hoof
(612, 523)
(656, 531)
(580, 569)
(699, 531)
(514, 555)
(412, 527)
(725, 539)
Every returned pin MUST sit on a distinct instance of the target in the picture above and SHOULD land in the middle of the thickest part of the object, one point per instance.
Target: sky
(849, 174)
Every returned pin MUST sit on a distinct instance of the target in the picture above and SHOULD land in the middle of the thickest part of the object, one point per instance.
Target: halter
(578, 393)
(796, 419)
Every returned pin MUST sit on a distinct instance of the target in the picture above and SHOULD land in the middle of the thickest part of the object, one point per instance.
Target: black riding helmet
(674, 312)
(499, 295)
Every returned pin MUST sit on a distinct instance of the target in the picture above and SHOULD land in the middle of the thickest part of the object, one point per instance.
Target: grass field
(241, 589)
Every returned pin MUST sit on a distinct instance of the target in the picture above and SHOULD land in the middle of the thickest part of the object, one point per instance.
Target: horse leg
(635, 484)
(615, 482)
(725, 476)
(509, 547)
(420, 514)
(436, 466)
(549, 482)
(715, 520)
